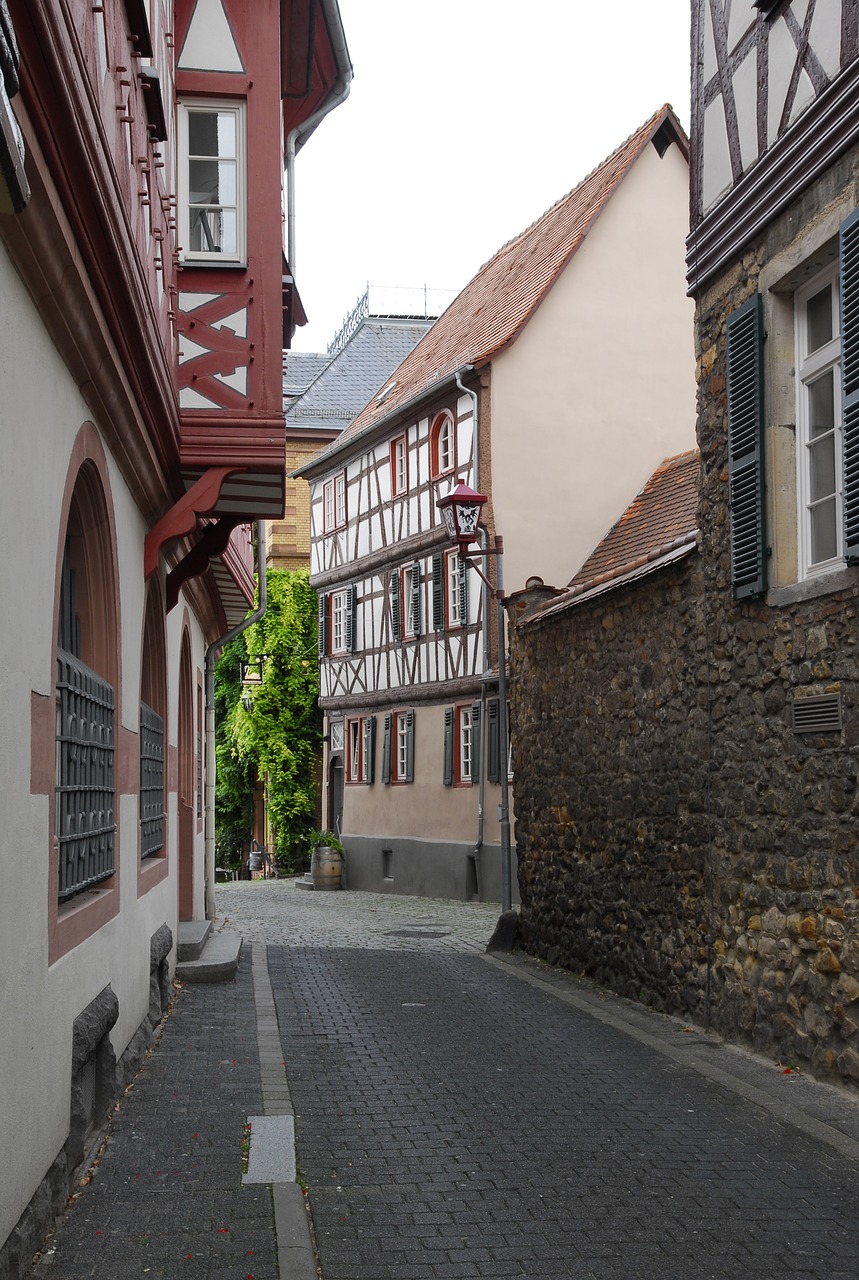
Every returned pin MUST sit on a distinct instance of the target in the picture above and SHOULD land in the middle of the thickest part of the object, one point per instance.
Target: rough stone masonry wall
(662, 797)
(609, 712)
(786, 806)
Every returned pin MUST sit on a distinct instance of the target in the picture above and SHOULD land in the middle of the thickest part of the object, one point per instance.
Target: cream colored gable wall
(600, 385)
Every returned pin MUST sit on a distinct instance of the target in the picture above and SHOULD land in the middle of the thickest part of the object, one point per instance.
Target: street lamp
(461, 510)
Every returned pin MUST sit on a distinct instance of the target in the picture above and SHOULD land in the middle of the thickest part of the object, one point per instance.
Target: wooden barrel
(326, 868)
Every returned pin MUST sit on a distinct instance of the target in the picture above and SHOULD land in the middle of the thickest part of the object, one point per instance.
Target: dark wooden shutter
(351, 618)
(386, 747)
(493, 741)
(746, 449)
(438, 619)
(850, 382)
(396, 610)
(476, 741)
(464, 574)
(415, 602)
(410, 747)
(447, 773)
(323, 624)
(370, 748)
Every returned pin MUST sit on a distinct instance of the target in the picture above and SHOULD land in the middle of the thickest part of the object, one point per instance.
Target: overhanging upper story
(775, 92)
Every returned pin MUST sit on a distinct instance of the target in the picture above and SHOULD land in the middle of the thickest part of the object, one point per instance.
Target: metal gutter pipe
(340, 93)
(211, 653)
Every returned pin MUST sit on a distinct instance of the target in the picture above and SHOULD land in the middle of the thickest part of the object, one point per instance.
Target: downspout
(211, 653)
(340, 93)
(484, 590)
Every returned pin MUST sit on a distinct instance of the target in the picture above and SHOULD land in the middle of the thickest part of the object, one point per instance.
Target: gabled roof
(494, 307)
(346, 380)
(657, 528)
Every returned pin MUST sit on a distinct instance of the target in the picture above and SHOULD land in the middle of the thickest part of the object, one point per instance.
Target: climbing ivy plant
(278, 735)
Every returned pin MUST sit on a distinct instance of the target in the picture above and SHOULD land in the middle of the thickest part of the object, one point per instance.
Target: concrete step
(192, 938)
(305, 881)
(217, 963)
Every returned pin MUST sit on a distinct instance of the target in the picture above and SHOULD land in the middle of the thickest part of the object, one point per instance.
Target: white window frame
(451, 589)
(227, 106)
(339, 614)
(401, 757)
(465, 743)
(355, 757)
(445, 449)
(399, 466)
(334, 502)
(366, 724)
(810, 368)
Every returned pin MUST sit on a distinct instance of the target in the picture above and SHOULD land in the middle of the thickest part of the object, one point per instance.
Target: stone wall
(677, 839)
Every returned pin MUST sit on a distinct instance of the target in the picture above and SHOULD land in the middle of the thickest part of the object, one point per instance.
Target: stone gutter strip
(818, 1110)
(643, 565)
(272, 1143)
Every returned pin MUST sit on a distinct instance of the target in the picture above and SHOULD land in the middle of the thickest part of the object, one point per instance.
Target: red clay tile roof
(664, 515)
(490, 312)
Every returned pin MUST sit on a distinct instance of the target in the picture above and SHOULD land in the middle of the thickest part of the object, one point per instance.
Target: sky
(466, 120)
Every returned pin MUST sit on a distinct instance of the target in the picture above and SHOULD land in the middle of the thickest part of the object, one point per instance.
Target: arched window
(87, 672)
(442, 445)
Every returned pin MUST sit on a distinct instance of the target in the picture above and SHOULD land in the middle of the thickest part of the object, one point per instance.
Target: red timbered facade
(145, 299)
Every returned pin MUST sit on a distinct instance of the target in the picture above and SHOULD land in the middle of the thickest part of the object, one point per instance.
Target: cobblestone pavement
(166, 1198)
(454, 1120)
(460, 1115)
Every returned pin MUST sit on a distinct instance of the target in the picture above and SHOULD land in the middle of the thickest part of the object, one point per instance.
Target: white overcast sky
(466, 120)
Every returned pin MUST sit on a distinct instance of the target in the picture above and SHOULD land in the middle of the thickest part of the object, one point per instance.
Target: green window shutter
(396, 611)
(352, 618)
(464, 574)
(476, 742)
(438, 619)
(323, 624)
(447, 775)
(410, 746)
(493, 741)
(386, 747)
(370, 748)
(415, 602)
(850, 382)
(746, 449)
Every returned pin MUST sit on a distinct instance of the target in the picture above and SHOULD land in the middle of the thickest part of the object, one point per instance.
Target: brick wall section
(661, 795)
(289, 539)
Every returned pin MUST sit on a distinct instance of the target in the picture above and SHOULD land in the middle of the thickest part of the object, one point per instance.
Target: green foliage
(279, 734)
(326, 840)
(234, 774)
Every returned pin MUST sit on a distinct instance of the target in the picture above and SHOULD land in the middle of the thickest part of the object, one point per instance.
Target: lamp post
(461, 510)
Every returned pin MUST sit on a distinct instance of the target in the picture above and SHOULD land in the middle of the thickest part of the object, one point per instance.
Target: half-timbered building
(553, 383)
(144, 304)
(773, 269)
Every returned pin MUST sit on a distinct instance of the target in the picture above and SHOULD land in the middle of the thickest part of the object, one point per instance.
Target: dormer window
(212, 185)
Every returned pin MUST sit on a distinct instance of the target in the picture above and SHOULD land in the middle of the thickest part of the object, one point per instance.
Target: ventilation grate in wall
(819, 713)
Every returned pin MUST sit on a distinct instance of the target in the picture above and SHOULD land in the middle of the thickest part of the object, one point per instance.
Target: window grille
(85, 818)
(151, 781)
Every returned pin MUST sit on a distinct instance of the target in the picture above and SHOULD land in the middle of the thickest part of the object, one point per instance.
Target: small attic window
(819, 713)
(385, 392)
(663, 138)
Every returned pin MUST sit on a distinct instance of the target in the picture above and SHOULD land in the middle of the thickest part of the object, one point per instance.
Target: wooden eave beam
(181, 520)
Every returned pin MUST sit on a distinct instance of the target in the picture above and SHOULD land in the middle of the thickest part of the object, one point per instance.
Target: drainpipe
(340, 93)
(484, 590)
(211, 653)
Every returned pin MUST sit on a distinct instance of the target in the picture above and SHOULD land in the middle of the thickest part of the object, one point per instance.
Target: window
(334, 502)
(398, 747)
(153, 700)
(361, 761)
(213, 205)
(406, 601)
(818, 370)
(399, 466)
(338, 625)
(462, 743)
(442, 445)
(449, 590)
(825, 396)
